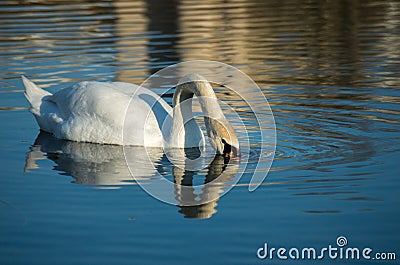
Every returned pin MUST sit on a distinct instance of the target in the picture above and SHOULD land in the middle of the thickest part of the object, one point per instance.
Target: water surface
(330, 71)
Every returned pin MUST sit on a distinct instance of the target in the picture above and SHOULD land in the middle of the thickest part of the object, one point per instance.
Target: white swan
(100, 112)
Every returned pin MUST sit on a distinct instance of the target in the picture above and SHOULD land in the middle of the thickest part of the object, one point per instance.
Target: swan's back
(95, 112)
(99, 100)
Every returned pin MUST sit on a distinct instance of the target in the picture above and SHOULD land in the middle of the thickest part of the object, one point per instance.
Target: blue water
(328, 69)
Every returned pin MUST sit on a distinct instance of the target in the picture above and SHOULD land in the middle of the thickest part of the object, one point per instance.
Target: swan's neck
(184, 129)
(184, 93)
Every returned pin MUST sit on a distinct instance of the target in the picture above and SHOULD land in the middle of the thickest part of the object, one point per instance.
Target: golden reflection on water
(320, 43)
(131, 22)
(324, 43)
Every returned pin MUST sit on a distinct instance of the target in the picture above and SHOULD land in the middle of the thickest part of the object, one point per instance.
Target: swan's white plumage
(95, 112)
(126, 114)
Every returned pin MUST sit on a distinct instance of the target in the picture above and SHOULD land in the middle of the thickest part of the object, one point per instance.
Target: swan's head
(222, 136)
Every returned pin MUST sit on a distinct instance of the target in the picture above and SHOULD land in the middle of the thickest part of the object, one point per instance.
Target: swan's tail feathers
(34, 94)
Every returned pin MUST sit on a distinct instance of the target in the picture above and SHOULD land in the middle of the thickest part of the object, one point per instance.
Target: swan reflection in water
(104, 166)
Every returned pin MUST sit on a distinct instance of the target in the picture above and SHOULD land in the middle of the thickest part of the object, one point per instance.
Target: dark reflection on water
(329, 69)
(163, 17)
(185, 177)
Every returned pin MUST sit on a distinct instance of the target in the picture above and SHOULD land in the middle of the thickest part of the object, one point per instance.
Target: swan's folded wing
(67, 99)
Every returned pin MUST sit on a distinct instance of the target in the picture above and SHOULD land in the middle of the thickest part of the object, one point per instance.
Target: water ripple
(332, 84)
